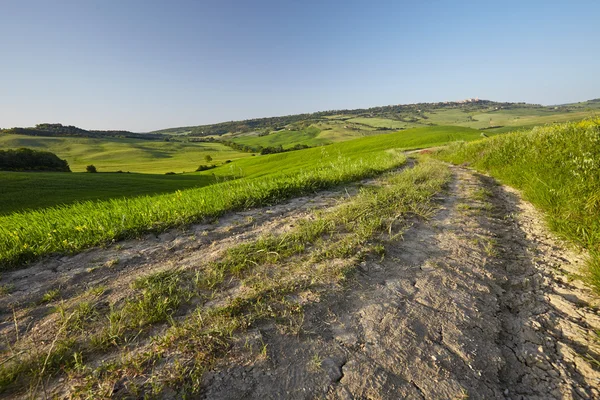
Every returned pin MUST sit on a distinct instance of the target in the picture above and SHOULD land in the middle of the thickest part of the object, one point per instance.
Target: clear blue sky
(146, 65)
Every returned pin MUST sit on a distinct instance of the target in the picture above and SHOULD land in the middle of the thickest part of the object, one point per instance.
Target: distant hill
(73, 131)
(400, 112)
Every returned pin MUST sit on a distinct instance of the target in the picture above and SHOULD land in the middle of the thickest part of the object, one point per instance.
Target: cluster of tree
(205, 167)
(31, 160)
(280, 149)
(73, 131)
(240, 147)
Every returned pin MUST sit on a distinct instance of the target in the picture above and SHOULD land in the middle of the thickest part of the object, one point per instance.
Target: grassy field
(128, 155)
(508, 118)
(383, 123)
(168, 307)
(556, 167)
(261, 180)
(284, 138)
(30, 190)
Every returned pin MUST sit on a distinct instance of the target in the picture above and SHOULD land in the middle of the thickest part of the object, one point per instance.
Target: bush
(91, 169)
(205, 167)
(31, 160)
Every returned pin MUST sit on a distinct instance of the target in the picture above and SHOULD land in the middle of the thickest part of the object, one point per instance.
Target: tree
(208, 158)
(91, 169)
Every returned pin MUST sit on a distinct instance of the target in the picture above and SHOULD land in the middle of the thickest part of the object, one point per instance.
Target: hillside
(125, 154)
(59, 130)
(375, 266)
(473, 113)
(390, 276)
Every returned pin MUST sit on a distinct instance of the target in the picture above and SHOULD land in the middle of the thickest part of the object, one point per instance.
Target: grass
(265, 180)
(304, 258)
(284, 138)
(556, 168)
(133, 155)
(383, 123)
(23, 191)
(509, 119)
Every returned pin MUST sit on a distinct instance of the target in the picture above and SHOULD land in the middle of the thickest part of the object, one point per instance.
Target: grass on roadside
(557, 169)
(321, 250)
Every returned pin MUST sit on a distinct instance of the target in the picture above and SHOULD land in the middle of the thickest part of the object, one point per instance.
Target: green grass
(510, 119)
(557, 169)
(23, 191)
(383, 123)
(128, 155)
(266, 180)
(159, 304)
(284, 138)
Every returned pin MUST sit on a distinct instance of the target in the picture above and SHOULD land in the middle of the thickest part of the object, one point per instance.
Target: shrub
(31, 160)
(91, 169)
(205, 167)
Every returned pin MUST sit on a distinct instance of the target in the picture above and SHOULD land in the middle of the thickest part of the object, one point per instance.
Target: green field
(262, 180)
(556, 168)
(128, 155)
(509, 117)
(284, 138)
(31, 190)
(383, 123)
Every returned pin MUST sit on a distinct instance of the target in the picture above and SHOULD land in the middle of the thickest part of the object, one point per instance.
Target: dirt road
(478, 302)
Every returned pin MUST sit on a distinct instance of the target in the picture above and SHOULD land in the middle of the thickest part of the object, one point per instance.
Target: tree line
(31, 160)
(60, 130)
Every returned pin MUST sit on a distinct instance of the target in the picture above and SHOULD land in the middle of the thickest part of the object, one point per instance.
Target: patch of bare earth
(479, 302)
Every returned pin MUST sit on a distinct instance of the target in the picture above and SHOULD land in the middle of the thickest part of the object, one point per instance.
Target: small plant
(6, 289)
(112, 262)
(50, 295)
(91, 169)
(208, 158)
(315, 362)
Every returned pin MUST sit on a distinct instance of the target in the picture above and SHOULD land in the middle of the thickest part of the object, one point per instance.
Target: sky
(144, 65)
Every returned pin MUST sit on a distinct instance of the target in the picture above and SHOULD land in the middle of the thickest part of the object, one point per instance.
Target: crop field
(127, 155)
(266, 179)
(557, 169)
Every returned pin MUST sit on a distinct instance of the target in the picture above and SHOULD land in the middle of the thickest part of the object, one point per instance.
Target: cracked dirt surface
(478, 302)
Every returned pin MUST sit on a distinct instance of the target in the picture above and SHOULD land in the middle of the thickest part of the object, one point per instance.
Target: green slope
(133, 155)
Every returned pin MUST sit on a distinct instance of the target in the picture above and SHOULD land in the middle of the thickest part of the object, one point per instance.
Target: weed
(112, 262)
(6, 289)
(50, 295)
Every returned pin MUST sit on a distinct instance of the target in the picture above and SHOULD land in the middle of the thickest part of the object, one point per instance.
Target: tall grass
(262, 180)
(24, 236)
(557, 168)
